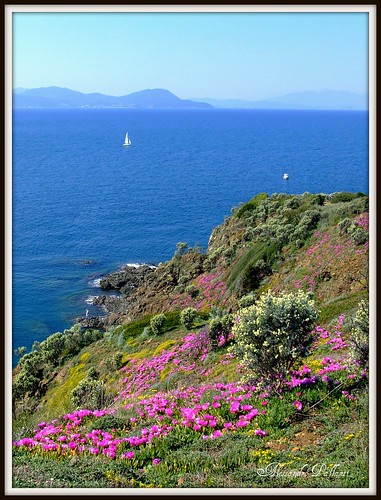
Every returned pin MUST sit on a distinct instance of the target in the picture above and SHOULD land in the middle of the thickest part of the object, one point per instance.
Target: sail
(127, 141)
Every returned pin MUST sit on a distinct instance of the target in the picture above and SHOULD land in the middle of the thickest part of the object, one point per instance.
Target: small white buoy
(285, 176)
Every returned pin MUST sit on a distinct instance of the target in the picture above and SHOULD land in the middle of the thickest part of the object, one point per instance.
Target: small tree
(157, 324)
(188, 316)
(273, 333)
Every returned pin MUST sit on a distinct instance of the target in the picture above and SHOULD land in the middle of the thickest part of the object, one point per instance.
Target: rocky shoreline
(125, 281)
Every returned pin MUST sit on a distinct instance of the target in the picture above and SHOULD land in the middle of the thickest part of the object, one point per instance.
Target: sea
(83, 205)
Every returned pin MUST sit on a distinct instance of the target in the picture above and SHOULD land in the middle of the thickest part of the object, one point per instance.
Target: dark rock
(91, 322)
(110, 303)
(127, 280)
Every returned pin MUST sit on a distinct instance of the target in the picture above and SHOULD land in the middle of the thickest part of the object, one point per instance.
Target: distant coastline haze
(56, 97)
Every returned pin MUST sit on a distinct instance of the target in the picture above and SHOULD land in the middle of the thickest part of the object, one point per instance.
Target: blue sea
(83, 205)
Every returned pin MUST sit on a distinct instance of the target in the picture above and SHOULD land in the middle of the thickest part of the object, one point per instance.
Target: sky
(194, 55)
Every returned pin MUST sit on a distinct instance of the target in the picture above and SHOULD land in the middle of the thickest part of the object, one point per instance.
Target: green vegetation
(157, 324)
(188, 317)
(272, 367)
(272, 335)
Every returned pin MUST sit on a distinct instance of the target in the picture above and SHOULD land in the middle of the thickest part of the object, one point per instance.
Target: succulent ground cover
(148, 432)
(172, 401)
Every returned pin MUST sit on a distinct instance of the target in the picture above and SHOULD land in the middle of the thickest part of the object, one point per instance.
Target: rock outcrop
(128, 279)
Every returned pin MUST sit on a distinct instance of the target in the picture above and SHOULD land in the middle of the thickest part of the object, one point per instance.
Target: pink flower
(234, 407)
(246, 407)
(155, 461)
(260, 432)
(128, 454)
(298, 405)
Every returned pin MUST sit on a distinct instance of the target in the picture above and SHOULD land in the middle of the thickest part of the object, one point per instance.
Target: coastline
(123, 281)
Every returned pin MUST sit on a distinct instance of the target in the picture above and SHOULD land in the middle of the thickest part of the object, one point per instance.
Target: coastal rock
(128, 279)
(91, 322)
(110, 303)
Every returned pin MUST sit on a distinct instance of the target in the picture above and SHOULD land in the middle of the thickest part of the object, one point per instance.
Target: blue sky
(218, 55)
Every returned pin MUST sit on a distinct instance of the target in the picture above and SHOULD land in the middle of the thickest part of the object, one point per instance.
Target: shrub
(181, 248)
(188, 316)
(92, 373)
(359, 235)
(247, 300)
(359, 338)
(114, 362)
(220, 329)
(146, 333)
(89, 394)
(273, 333)
(25, 384)
(344, 197)
(157, 324)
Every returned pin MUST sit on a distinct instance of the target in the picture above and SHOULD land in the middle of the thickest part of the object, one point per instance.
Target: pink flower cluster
(363, 220)
(212, 290)
(325, 255)
(186, 357)
(228, 409)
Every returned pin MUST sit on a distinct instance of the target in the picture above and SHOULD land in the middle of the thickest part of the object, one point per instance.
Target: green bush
(220, 329)
(359, 337)
(157, 324)
(345, 196)
(247, 300)
(358, 235)
(274, 333)
(92, 373)
(188, 317)
(115, 362)
(89, 394)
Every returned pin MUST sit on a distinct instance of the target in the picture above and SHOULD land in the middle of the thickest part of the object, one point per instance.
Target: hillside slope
(174, 404)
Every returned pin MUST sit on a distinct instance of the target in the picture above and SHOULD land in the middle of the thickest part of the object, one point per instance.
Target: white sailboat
(127, 141)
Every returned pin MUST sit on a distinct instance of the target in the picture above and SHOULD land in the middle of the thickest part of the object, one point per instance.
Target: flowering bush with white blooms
(273, 333)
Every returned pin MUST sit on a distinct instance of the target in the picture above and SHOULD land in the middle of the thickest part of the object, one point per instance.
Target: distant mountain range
(324, 99)
(57, 97)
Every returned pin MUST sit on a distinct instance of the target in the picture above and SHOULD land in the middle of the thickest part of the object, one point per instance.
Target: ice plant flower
(298, 405)
(260, 432)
